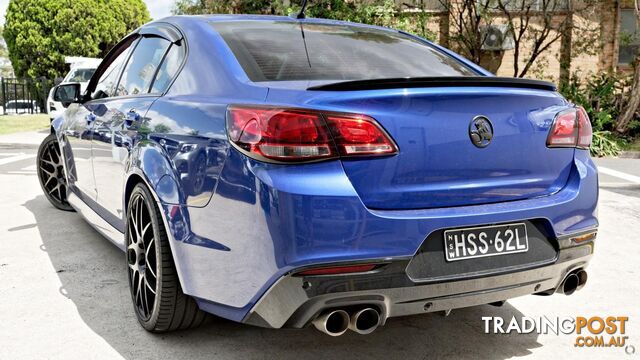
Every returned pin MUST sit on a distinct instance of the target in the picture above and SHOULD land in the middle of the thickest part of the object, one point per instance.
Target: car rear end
(398, 179)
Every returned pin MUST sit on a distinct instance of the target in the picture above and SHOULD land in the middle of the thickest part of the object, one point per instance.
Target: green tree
(40, 33)
(196, 7)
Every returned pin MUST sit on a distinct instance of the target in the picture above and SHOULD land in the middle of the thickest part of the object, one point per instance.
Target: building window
(629, 37)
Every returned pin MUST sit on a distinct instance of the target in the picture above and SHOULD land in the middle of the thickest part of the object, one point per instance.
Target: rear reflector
(295, 135)
(571, 128)
(583, 238)
(349, 269)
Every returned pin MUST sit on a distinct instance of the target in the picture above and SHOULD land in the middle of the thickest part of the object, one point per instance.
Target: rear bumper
(294, 301)
(266, 221)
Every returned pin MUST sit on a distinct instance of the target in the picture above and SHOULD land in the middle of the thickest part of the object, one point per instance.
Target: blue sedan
(285, 172)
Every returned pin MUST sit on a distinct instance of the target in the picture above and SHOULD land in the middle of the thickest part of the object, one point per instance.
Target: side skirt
(98, 223)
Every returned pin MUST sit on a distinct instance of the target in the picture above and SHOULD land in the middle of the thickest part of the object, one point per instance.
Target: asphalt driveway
(64, 293)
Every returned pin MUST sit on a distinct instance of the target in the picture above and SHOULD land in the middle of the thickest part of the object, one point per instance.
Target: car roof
(264, 18)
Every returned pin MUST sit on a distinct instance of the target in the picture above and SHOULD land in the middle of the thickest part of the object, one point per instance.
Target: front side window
(109, 78)
(286, 51)
(141, 69)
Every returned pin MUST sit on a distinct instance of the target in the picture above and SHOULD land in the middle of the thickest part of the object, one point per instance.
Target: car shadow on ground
(93, 276)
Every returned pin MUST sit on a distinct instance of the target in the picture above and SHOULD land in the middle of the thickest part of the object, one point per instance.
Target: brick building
(609, 25)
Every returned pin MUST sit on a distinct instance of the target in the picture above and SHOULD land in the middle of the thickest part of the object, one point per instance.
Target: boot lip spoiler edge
(444, 81)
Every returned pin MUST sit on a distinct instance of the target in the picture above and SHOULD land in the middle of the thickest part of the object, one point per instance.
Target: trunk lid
(438, 164)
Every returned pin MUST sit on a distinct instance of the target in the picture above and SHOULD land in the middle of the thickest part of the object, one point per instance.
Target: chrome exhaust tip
(365, 321)
(332, 323)
(582, 279)
(570, 284)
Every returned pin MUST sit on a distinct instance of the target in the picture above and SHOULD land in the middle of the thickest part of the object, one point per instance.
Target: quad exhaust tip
(337, 322)
(365, 321)
(332, 323)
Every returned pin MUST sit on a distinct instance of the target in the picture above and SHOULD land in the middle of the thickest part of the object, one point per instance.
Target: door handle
(131, 118)
(90, 118)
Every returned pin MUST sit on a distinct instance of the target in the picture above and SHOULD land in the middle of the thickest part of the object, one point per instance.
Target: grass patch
(18, 123)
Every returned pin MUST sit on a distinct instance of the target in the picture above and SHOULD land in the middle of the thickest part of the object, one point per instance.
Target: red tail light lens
(294, 135)
(279, 134)
(564, 131)
(571, 128)
(359, 135)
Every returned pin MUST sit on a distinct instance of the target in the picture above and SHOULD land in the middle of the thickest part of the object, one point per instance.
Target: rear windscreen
(287, 51)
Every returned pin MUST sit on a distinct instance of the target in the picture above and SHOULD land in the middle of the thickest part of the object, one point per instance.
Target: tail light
(296, 135)
(585, 132)
(571, 128)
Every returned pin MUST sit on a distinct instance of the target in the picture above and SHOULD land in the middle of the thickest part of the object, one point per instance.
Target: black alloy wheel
(51, 173)
(158, 300)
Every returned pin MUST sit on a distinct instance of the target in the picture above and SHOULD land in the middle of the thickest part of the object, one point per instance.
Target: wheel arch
(133, 180)
(150, 166)
(56, 125)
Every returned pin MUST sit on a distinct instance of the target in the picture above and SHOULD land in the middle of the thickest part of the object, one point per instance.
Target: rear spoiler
(448, 81)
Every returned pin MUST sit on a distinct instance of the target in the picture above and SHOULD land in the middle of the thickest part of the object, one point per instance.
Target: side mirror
(67, 94)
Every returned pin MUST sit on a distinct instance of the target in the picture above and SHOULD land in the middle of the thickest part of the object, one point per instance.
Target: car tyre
(158, 300)
(51, 173)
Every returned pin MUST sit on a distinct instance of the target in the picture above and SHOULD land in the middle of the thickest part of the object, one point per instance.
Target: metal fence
(24, 96)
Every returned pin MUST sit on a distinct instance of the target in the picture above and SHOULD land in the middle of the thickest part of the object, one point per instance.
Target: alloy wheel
(141, 257)
(52, 174)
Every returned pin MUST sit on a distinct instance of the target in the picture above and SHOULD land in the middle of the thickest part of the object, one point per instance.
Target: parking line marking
(619, 174)
(15, 158)
(20, 172)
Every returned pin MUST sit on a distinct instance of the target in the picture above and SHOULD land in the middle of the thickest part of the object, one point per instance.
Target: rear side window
(169, 69)
(285, 51)
(141, 69)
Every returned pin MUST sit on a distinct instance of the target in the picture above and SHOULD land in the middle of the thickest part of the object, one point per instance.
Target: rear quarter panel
(187, 124)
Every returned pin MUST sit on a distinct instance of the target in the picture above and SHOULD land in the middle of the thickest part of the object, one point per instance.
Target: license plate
(462, 244)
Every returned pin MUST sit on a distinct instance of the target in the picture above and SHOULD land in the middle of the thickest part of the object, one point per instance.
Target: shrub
(603, 97)
(605, 144)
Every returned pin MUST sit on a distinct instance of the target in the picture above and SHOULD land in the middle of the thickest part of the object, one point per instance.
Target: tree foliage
(375, 12)
(40, 33)
(198, 7)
